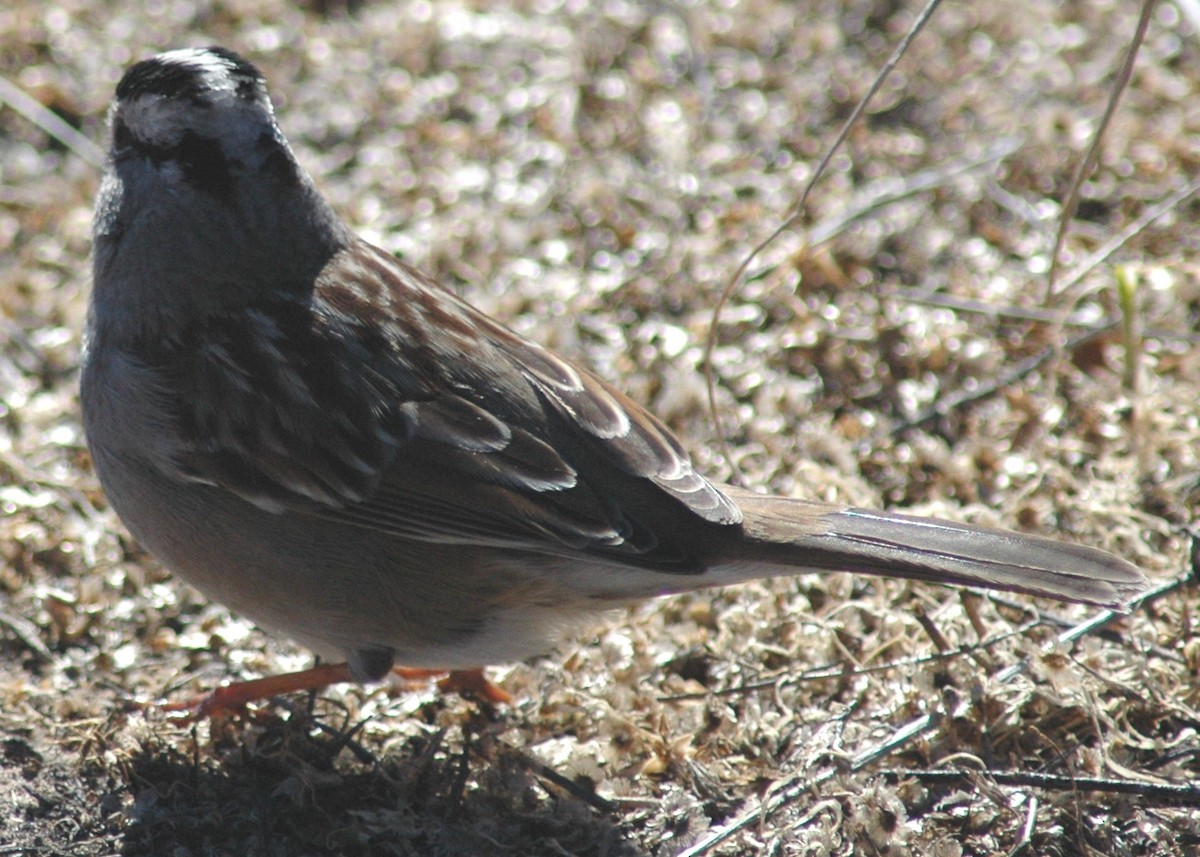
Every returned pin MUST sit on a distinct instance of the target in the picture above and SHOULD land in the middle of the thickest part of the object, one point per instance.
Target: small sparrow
(324, 439)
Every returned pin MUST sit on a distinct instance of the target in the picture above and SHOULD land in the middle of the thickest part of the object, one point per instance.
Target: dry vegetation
(592, 172)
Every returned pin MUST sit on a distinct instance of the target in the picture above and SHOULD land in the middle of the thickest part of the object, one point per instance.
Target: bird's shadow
(294, 787)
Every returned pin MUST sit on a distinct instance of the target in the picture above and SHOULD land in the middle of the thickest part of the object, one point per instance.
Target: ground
(593, 173)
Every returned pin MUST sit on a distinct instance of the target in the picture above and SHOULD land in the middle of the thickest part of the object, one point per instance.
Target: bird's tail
(788, 536)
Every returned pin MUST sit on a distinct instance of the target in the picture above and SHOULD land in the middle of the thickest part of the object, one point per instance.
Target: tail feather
(797, 535)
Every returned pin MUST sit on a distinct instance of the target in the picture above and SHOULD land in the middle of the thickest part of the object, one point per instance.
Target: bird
(326, 440)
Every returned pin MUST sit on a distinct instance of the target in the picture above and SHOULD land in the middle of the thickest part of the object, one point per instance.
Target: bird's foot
(232, 699)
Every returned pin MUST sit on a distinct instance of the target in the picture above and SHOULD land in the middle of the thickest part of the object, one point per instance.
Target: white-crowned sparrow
(325, 440)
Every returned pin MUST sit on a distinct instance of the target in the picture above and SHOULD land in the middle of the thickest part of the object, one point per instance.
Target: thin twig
(1089, 160)
(1135, 228)
(1169, 793)
(840, 671)
(1026, 837)
(798, 785)
(967, 306)
(892, 189)
(715, 322)
(943, 406)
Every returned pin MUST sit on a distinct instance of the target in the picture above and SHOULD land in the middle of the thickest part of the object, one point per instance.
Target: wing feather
(384, 401)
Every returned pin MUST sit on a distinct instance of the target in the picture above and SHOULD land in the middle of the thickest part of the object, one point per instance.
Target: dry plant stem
(954, 401)
(839, 670)
(232, 699)
(1128, 282)
(49, 122)
(801, 784)
(1015, 313)
(1026, 828)
(931, 630)
(945, 405)
(1071, 204)
(883, 192)
(1135, 228)
(1162, 793)
(735, 280)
